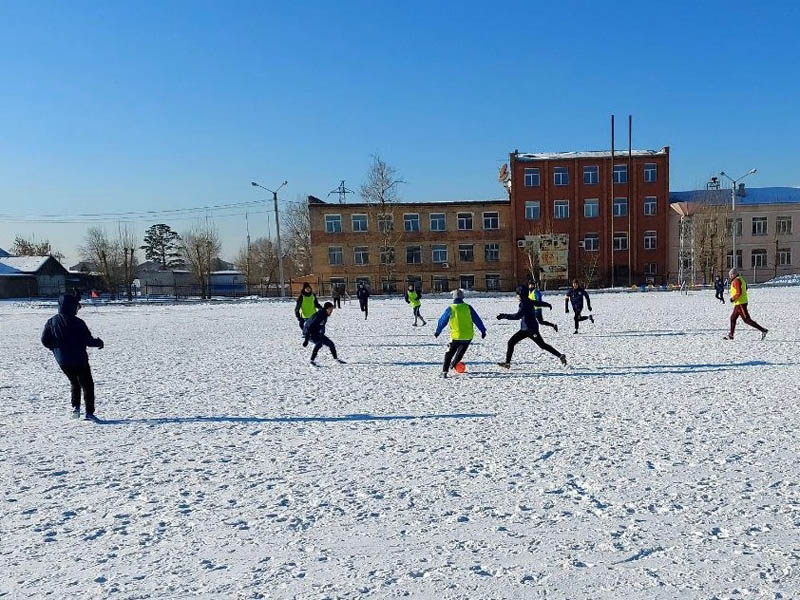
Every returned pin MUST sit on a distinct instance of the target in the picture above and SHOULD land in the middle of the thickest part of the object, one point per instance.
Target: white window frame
(616, 203)
(759, 255)
(591, 236)
(560, 176)
(618, 172)
(436, 217)
(491, 247)
(461, 281)
(331, 251)
(650, 240)
(739, 222)
(650, 201)
(406, 221)
(353, 222)
(783, 225)
(531, 204)
(593, 172)
(461, 215)
(330, 222)
(650, 168)
(587, 202)
(492, 277)
(439, 248)
(496, 217)
(528, 177)
(784, 257)
(620, 235)
(651, 268)
(739, 259)
(762, 230)
(363, 252)
(560, 204)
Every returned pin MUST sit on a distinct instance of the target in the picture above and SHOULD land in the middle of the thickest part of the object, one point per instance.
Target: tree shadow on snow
(340, 419)
(635, 371)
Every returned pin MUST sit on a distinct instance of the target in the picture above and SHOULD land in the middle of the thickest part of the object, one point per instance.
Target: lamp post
(734, 183)
(277, 227)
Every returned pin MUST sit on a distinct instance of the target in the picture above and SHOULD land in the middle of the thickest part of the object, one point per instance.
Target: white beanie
(459, 293)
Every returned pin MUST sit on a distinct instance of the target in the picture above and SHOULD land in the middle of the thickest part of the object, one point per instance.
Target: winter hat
(459, 293)
(522, 291)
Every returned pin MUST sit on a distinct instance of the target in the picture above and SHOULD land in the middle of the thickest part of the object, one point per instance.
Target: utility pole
(342, 192)
(277, 228)
(734, 183)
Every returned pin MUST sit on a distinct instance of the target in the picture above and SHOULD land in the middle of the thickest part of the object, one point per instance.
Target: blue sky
(121, 106)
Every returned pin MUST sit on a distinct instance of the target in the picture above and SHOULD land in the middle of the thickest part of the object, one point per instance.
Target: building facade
(438, 246)
(610, 215)
(767, 222)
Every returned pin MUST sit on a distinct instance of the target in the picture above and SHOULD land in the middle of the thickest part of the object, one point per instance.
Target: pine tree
(162, 245)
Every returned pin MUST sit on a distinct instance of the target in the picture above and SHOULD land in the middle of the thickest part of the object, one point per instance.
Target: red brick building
(599, 204)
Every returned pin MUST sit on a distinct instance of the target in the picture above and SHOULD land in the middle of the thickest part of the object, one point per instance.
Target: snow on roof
(420, 203)
(3, 253)
(587, 154)
(227, 272)
(753, 196)
(24, 264)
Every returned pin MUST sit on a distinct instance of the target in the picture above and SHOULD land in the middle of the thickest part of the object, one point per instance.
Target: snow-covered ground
(663, 463)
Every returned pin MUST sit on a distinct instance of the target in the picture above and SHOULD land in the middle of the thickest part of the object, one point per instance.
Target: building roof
(3, 253)
(620, 153)
(15, 265)
(316, 201)
(752, 196)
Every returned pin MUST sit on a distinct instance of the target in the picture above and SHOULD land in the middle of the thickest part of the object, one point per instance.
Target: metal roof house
(29, 276)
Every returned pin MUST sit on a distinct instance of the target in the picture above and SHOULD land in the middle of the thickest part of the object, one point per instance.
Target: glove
(305, 342)
(100, 344)
(499, 317)
(483, 335)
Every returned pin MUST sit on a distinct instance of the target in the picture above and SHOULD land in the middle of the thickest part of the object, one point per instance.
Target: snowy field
(662, 463)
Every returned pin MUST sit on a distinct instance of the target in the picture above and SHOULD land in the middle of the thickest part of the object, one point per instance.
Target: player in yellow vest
(462, 319)
(739, 301)
(414, 298)
(306, 306)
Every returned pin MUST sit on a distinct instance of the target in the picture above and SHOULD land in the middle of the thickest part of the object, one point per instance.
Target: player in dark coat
(68, 337)
(528, 327)
(575, 296)
(314, 330)
(719, 287)
(363, 298)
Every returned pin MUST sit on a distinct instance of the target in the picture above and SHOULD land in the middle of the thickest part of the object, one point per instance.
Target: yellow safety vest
(413, 299)
(743, 297)
(308, 308)
(461, 322)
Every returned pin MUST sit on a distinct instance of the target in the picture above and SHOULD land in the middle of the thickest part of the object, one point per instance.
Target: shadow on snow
(343, 418)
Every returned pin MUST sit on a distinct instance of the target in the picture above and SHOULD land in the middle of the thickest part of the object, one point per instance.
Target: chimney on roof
(740, 191)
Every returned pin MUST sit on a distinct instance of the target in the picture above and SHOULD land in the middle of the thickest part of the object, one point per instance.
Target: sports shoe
(443, 375)
(563, 359)
(764, 334)
(574, 332)
(340, 361)
(555, 327)
(591, 318)
(76, 412)
(314, 363)
(415, 324)
(89, 417)
(730, 337)
(505, 365)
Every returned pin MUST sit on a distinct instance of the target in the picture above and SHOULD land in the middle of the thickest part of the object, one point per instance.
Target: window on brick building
(439, 253)
(464, 221)
(620, 173)
(650, 240)
(650, 206)
(591, 175)
(414, 255)
(385, 223)
(620, 240)
(561, 209)
(492, 282)
(333, 223)
(531, 177)
(359, 223)
(335, 255)
(361, 255)
(650, 172)
(466, 253)
(387, 255)
(591, 242)
(591, 208)
(620, 207)
(561, 176)
(438, 222)
(411, 222)
(491, 252)
(491, 220)
(533, 210)
(467, 282)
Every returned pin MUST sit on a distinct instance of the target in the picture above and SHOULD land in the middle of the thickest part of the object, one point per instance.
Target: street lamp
(277, 227)
(734, 183)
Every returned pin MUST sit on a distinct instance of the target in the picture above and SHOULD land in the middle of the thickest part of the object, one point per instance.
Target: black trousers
(579, 318)
(80, 379)
(455, 352)
(337, 301)
(719, 296)
(541, 320)
(319, 342)
(363, 304)
(417, 315)
(532, 335)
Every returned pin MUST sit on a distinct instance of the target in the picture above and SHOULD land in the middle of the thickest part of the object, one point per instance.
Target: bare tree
(379, 192)
(533, 249)
(115, 258)
(25, 247)
(261, 264)
(199, 247)
(296, 223)
(126, 239)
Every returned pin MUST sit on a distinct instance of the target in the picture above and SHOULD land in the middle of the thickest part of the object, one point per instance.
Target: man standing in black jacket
(314, 330)
(68, 336)
(363, 298)
(576, 296)
(528, 327)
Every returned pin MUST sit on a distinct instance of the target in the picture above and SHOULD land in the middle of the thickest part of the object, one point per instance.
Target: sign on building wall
(550, 252)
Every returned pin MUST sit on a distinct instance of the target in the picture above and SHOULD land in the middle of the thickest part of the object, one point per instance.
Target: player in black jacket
(576, 296)
(314, 330)
(528, 327)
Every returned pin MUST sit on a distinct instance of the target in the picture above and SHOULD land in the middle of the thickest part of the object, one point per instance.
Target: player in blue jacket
(314, 330)
(462, 319)
(575, 296)
(534, 293)
(528, 327)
